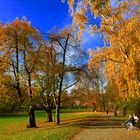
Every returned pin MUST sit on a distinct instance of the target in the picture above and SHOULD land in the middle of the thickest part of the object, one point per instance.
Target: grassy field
(73, 125)
(14, 127)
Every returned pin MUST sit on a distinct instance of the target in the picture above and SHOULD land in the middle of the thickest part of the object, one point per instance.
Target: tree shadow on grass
(100, 122)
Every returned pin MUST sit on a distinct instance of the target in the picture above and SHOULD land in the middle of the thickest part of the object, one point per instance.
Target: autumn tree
(120, 29)
(63, 42)
(112, 97)
(30, 52)
(47, 78)
(93, 83)
(20, 42)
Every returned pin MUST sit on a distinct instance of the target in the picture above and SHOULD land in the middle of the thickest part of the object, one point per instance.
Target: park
(74, 126)
(69, 70)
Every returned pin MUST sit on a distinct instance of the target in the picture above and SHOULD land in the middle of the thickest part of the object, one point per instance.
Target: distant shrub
(130, 107)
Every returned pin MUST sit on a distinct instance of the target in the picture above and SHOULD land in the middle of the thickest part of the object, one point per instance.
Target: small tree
(63, 43)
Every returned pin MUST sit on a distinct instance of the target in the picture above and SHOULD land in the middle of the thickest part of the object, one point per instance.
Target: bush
(132, 107)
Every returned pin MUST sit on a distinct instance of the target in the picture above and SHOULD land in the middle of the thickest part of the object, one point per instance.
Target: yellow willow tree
(120, 29)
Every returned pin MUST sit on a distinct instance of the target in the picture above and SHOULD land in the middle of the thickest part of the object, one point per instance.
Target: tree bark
(16, 72)
(31, 114)
(57, 114)
(49, 113)
(61, 81)
(32, 122)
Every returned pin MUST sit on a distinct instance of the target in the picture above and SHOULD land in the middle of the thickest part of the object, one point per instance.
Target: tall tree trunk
(31, 114)
(59, 100)
(16, 72)
(32, 122)
(104, 106)
(49, 109)
(49, 113)
(50, 119)
(57, 115)
(61, 81)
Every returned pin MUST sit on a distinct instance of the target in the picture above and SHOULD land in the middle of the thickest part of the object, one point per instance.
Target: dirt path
(106, 134)
(104, 128)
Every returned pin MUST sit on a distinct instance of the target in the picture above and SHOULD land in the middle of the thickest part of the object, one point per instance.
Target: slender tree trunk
(49, 113)
(16, 72)
(59, 100)
(50, 119)
(49, 109)
(57, 115)
(104, 107)
(12, 108)
(61, 82)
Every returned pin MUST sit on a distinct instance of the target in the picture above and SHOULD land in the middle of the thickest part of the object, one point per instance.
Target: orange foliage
(120, 27)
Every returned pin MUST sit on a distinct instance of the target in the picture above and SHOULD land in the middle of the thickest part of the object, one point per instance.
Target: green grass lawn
(14, 127)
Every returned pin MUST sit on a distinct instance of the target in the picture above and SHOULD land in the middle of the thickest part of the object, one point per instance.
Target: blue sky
(44, 15)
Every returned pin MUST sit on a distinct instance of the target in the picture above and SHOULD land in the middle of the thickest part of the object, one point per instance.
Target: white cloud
(89, 40)
(86, 37)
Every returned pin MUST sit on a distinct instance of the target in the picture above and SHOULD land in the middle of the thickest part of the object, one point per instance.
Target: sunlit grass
(14, 127)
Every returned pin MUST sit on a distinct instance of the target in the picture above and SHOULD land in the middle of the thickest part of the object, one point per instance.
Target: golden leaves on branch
(71, 2)
(19, 46)
(111, 15)
(79, 19)
(120, 29)
(122, 58)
